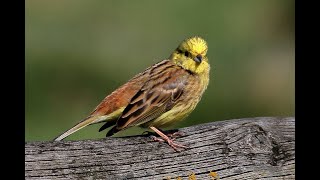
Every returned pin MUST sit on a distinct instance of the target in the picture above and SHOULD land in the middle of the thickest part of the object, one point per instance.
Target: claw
(156, 139)
(163, 138)
(175, 135)
(175, 146)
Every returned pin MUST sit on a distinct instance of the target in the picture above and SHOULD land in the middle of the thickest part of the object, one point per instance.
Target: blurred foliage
(79, 51)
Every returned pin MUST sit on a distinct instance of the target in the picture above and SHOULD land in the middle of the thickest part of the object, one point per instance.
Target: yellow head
(191, 55)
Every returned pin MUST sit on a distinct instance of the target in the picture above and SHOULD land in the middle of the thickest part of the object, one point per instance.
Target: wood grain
(249, 148)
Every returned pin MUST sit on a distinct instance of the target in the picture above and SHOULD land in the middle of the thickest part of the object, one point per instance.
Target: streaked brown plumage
(161, 95)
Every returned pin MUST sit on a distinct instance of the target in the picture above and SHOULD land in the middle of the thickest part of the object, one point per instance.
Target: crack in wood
(236, 149)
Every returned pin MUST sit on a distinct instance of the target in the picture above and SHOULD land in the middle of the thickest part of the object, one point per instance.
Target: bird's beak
(198, 58)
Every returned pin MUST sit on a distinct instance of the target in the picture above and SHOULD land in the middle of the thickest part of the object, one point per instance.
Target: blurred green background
(79, 51)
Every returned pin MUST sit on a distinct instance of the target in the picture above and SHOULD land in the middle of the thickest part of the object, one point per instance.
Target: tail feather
(112, 131)
(107, 125)
(87, 121)
(110, 119)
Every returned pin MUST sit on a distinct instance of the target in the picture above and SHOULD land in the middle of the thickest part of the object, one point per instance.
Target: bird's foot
(175, 146)
(156, 139)
(175, 135)
(170, 141)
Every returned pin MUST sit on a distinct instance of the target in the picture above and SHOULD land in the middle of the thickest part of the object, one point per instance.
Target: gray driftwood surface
(250, 148)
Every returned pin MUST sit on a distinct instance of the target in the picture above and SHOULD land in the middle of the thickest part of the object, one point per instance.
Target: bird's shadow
(149, 133)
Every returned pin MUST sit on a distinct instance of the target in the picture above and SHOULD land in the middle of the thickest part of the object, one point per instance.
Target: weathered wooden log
(250, 148)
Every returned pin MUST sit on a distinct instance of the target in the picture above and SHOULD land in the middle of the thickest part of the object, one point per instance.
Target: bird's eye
(179, 51)
(187, 53)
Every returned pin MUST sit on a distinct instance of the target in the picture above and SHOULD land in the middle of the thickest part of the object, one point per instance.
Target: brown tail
(87, 121)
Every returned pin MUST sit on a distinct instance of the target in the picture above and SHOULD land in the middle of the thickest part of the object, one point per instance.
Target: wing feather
(156, 97)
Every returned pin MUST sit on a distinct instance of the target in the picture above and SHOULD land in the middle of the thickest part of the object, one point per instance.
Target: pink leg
(174, 135)
(174, 145)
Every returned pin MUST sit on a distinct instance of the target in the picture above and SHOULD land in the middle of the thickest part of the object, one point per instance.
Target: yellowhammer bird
(164, 93)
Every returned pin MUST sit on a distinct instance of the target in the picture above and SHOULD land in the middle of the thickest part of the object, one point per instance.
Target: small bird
(164, 93)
